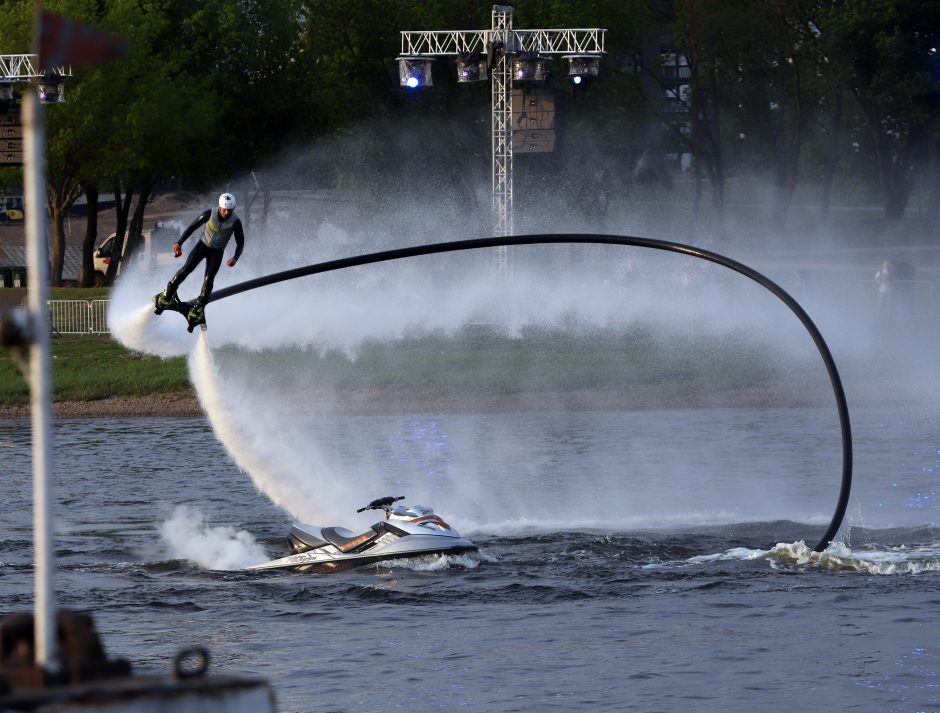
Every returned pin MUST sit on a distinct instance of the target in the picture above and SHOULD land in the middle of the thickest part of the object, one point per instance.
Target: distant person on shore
(884, 278)
(220, 225)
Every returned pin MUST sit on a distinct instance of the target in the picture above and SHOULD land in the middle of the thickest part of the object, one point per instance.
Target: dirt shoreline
(374, 401)
(179, 405)
(367, 402)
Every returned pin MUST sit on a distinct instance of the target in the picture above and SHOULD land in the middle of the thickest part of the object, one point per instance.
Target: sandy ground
(182, 404)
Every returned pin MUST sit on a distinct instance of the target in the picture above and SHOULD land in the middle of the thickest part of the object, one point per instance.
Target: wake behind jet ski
(406, 531)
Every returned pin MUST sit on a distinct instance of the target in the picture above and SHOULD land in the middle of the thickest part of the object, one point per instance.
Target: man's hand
(177, 249)
(230, 262)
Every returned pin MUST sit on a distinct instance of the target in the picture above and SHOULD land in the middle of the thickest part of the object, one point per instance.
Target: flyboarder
(220, 224)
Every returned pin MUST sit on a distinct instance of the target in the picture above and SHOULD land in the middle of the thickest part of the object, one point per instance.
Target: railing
(78, 316)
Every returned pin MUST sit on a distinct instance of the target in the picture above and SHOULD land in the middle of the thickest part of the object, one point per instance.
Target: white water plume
(187, 536)
(258, 383)
(291, 475)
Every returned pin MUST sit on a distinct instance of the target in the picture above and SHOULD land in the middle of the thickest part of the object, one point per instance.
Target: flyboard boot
(197, 314)
(165, 300)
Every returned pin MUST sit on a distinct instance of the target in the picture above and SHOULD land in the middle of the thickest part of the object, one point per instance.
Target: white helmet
(227, 200)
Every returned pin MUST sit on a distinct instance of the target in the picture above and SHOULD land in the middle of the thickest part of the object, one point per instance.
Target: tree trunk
(87, 278)
(892, 164)
(266, 209)
(135, 231)
(932, 205)
(121, 208)
(896, 195)
(832, 156)
(716, 155)
(57, 215)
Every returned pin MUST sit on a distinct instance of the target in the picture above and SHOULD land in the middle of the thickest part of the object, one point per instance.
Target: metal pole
(501, 133)
(37, 258)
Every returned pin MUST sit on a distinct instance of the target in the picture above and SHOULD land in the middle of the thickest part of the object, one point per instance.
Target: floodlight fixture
(414, 71)
(529, 66)
(583, 66)
(471, 67)
(51, 89)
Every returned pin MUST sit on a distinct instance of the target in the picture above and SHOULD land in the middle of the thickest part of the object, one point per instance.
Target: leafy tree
(885, 52)
(700, 28)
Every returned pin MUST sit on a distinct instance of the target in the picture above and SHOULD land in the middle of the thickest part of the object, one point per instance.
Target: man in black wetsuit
(220, 225)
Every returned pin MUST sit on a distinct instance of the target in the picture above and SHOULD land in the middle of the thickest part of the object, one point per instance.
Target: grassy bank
(472, 366)
(93, 367)
(481, 366)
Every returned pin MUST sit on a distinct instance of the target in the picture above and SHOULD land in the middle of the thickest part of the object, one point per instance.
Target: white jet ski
(406, 531)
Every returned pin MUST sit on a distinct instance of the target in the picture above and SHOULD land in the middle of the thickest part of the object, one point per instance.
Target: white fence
(78, 316)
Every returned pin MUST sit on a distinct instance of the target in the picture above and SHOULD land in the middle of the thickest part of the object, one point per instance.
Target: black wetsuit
(201, 251)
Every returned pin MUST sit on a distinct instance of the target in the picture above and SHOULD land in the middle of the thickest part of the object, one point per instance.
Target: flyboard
(184, 308)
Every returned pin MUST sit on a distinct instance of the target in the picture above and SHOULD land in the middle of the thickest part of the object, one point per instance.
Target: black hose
(554, 238)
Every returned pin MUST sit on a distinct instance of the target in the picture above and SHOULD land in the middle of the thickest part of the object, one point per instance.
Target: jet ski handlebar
(381, 503)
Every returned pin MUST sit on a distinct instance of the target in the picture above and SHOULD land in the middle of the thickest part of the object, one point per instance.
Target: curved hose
(553, 238)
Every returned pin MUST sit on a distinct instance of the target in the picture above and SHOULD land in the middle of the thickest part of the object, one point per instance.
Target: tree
(699, 30)
(883, 50)
(779, 77)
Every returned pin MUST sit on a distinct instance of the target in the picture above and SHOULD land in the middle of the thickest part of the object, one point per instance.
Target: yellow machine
(11, 208)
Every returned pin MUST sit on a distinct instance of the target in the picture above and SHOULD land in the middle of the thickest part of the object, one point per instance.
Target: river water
(642, 560)
(618, 570)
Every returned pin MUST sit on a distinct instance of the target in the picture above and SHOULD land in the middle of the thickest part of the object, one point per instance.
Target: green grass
(539, 361)
(79, 293)
(93, 367)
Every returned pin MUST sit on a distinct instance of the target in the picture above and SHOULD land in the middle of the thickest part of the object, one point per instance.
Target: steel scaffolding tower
(500, 43)
(501, 134)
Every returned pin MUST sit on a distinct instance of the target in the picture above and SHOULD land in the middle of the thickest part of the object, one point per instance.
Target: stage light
(471, 67)
(529, 66)
(51, 89)
(415, 72)
(583, 66)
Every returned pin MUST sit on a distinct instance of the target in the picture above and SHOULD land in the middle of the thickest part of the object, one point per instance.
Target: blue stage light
(415, 72)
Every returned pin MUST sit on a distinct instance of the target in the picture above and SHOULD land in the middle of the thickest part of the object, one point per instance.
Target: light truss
(500, 42)
(501, 136)
(450, 43)
(23, 67)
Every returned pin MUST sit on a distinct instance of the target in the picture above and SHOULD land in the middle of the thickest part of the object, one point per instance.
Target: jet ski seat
(347, 540)
(305, 538)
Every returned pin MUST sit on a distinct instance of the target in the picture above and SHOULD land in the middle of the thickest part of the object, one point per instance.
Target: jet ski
(406, 531)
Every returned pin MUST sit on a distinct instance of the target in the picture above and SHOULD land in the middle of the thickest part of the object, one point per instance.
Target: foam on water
(186, 535)
(436, 563)
(838, 557)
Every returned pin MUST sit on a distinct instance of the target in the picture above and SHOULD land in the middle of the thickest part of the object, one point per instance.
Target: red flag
(67, 42)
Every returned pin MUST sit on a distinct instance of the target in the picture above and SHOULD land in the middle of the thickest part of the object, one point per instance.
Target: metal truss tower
(501, 135)
(500, 43)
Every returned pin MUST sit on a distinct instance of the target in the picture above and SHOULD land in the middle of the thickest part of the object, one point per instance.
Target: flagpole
(40, 365)
(37, 258)
(57, 41)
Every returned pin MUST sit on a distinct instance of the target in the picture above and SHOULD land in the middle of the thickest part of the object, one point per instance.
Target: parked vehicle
(11, 209)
